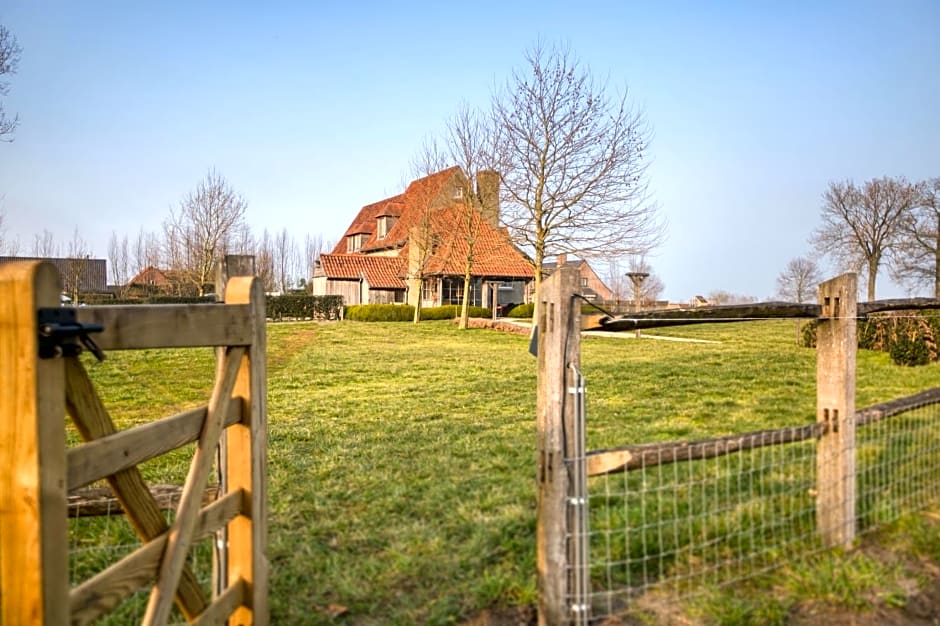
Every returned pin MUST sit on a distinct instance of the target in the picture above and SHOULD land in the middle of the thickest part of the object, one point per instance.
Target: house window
(384, 224)
(353, 243)
(583, 281)
(429, 289)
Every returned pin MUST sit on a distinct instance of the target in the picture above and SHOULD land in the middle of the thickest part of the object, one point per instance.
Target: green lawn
(401, 459)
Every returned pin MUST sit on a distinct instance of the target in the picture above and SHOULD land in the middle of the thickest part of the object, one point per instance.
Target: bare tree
(119, 257)
(284, 260)
(861, 225)
(44, 245)
(798, 281)
(469, 142)
(313, 248)
(9, 60)
(76, 266)
(265, 262)
(915, 261)
(572, 158)
(146, 251)
(720, 297)
(200, 231)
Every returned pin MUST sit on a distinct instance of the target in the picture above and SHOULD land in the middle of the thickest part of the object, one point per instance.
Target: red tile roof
(381, 272)
(432, 196)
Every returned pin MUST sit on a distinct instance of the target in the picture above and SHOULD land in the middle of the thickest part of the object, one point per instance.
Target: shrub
(522, 311)
(910, 338)
(452, 311)
(380, 312)
(300, 306)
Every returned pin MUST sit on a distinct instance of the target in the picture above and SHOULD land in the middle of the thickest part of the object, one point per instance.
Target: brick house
(79, 275)
(413, 246)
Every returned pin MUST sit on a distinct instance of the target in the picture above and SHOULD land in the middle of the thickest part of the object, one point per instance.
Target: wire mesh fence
(684, 518)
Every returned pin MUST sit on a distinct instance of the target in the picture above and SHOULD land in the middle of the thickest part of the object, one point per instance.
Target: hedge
(909, 337)
(406, 312)
(299, 306)
(290, 306)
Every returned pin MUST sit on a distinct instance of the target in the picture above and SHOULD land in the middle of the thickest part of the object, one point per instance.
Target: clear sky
(313, 109)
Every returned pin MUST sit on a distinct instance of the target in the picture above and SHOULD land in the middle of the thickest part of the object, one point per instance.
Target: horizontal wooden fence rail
(631, 457)
(751, 312)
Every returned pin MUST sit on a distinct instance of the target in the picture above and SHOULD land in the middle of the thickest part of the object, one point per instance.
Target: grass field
(401, 458)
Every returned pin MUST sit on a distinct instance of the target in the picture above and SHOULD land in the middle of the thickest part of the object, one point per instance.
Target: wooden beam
(92, 420)
(33, 524)
(106, 590)
(168, 325)
(559, 345)
(222, 608)
(246, 463)
(100, 501)
(102, 457)
(836, 347)
(179, 539)
(710, 315)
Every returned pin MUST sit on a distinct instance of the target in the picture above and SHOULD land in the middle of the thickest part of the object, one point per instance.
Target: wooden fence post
(246, 461)
(836, 347)
(559, 345)
(229, 266)
(33, 523)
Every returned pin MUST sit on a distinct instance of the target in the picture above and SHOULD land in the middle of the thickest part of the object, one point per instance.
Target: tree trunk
(465, 303)
(872, 274)
(418, 300)
(539, 255)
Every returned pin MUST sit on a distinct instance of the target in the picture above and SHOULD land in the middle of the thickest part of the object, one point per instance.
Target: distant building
(592, 287)
(78, 275)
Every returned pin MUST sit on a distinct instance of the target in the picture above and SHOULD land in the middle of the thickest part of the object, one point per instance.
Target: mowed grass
(401, 457)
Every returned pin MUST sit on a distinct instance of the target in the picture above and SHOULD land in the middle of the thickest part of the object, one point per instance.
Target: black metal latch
(61, 334)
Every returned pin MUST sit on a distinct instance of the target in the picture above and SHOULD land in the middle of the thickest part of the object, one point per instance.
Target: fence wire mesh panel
(686, 526)
(672, 527)
(100, 535)
(898, 465)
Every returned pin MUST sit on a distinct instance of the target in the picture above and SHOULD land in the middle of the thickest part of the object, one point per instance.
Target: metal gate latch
(61, 334)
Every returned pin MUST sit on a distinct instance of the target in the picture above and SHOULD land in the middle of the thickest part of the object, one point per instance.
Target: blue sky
(313, 109)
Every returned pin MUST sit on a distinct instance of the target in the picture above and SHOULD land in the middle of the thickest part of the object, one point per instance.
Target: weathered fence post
(33, 524)
(559, 345)
(230, 265)
(836, 348)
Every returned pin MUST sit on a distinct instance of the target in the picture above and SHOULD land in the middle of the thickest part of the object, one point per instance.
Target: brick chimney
(562, 259)
(488, 192)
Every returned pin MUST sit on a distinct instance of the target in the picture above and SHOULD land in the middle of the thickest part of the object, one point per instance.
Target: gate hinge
(61, 334)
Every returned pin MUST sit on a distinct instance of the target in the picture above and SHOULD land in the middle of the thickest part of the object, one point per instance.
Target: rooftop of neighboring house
(93, 272)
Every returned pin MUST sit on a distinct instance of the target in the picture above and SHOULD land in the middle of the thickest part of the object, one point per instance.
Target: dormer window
(354, 242)
(383, 225)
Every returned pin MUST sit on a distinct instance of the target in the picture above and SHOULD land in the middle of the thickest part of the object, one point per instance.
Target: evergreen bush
(523, 311)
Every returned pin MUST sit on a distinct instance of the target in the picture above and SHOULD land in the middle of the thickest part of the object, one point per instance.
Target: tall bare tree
(265, 262)
(313, 248)
(799, 279)
(285, 255)
(146, 251)
(199, 232)
(44, 245)
(861, 225)
(915, 261)
(76, 266)
(573, 162)
(9, 60)
(120, 259)
(469, 142)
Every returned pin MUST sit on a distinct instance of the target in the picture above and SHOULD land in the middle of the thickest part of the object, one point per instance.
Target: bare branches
(915, 261)
(798, 281)
(573, 160)
(9, 60)
(861, 225)
(200, 231)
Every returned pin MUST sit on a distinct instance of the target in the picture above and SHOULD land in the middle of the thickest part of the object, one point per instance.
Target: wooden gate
(42, 379)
